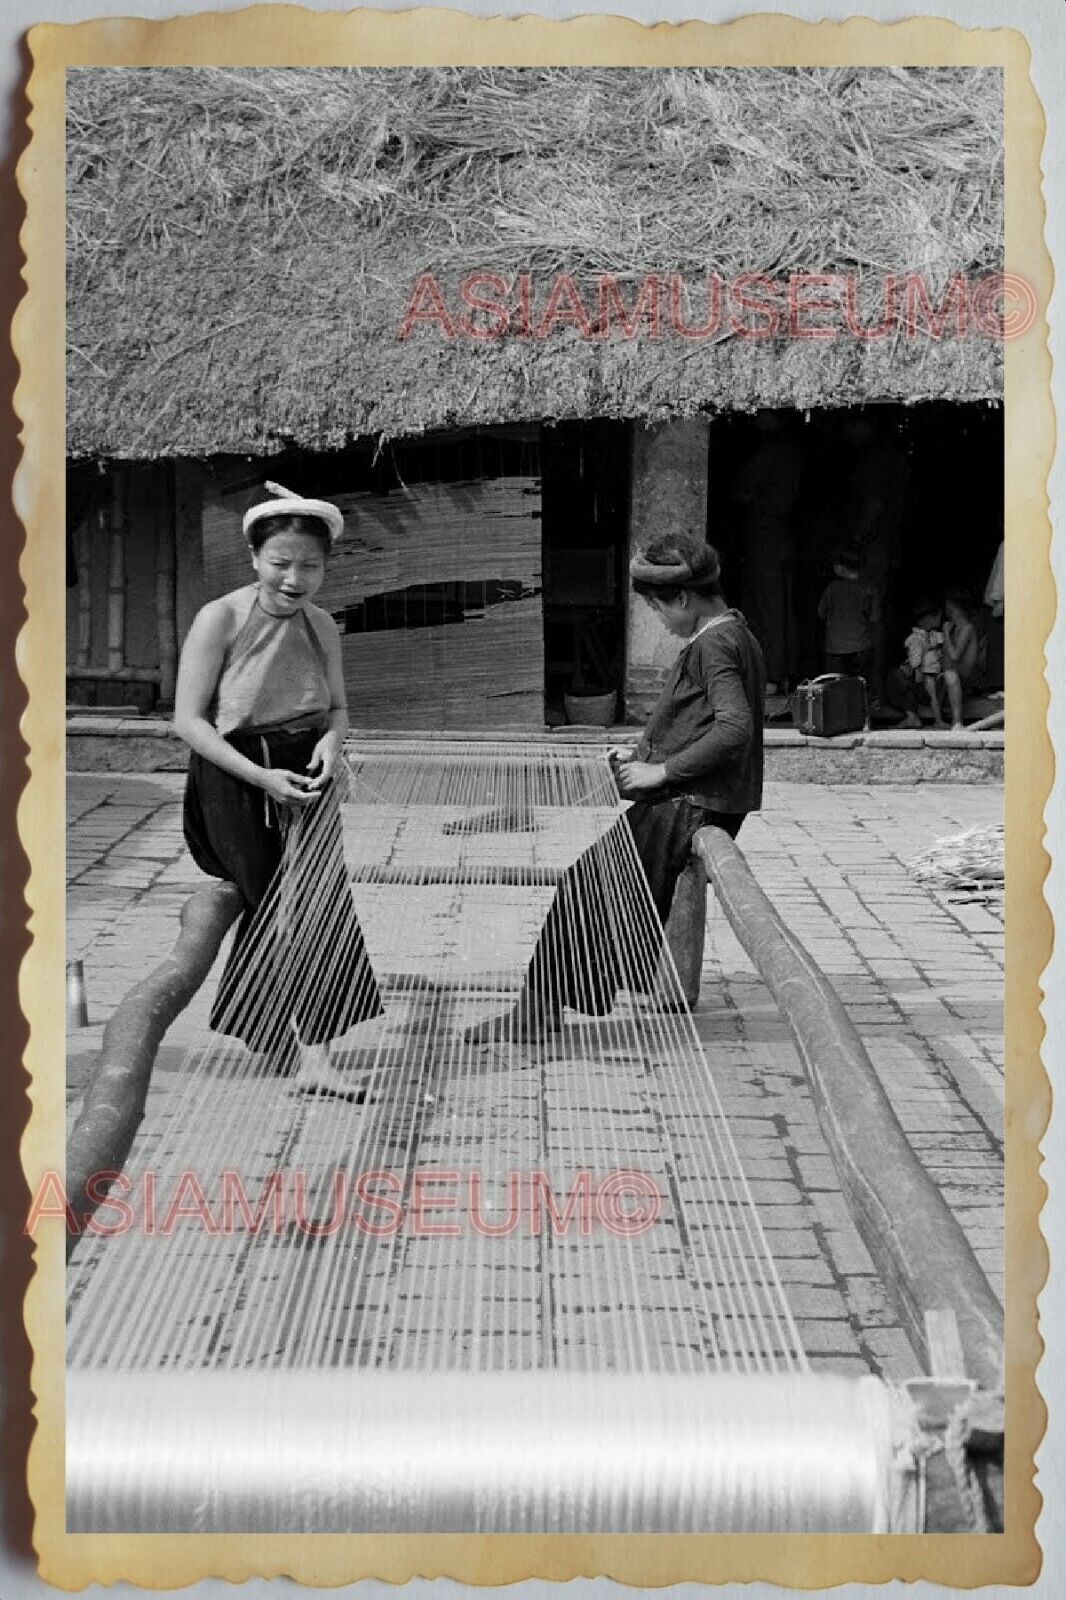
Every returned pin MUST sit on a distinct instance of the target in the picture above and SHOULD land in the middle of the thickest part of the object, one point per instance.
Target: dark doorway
(918, 490)
(585, 498)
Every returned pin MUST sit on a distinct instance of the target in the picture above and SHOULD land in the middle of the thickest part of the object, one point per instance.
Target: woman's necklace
(712, 622)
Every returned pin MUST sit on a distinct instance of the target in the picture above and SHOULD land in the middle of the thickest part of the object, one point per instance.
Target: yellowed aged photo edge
(273, 35)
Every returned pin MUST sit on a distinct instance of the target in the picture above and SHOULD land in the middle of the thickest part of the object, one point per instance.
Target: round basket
(593, 710)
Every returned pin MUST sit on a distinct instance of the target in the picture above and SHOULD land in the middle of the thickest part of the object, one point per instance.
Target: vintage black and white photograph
(535, 594)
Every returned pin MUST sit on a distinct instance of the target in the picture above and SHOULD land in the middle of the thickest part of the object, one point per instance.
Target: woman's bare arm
(199, 670)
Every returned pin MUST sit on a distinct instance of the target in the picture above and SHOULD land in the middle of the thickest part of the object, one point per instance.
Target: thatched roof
(243, 243)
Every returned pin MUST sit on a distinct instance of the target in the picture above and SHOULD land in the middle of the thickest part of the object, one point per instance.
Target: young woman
(698, 764)
(260, 701)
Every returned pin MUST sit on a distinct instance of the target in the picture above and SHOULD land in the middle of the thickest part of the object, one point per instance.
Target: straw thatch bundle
(968, 865)
(243, 243)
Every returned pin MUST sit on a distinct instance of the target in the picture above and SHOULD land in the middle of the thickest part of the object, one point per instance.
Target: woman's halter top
(275, 672)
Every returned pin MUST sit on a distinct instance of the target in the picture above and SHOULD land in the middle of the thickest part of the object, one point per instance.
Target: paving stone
(807, 1141)
(807, 1301)
(804, 1269)
(894, 1352)
(847, 1251)
(822, 1338)
(817, 1172)
(867, 1301)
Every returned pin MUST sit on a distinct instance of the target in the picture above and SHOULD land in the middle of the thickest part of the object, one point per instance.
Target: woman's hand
(323, 762)
(289, 788)
(638, 777)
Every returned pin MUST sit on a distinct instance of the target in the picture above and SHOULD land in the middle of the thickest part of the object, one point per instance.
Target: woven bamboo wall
(474, 547)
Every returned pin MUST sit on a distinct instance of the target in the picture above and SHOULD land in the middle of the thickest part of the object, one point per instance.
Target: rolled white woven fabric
(351, 1451)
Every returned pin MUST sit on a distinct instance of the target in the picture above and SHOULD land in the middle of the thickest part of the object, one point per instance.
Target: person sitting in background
(961, 651)
(850, 611)
(993, 598)
(917, 682)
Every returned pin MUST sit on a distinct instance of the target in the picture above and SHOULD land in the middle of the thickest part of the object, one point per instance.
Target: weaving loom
(491, 1378)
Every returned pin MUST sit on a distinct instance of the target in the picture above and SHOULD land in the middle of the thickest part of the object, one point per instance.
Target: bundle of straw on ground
(243, 243)
(968, 865)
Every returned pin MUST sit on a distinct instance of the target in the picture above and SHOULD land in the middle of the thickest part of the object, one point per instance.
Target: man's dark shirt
(707, 723)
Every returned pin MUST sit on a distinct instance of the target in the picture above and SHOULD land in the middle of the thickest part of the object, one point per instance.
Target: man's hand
(639, 777)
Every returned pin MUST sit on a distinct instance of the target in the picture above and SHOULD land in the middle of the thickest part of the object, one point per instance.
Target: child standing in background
(850, 611)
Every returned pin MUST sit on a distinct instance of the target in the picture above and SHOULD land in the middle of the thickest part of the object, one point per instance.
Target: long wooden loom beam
(918, 1247)
(113, 1107)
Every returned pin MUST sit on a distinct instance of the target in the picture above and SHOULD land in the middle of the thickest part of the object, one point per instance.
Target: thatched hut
(479, 307)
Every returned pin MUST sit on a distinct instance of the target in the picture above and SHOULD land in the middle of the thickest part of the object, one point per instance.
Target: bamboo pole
(116, 577)
(164, 590)
(85, 591)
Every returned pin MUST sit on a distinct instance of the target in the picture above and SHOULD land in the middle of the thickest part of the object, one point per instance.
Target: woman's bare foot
(316, 1074)
(523, 1024)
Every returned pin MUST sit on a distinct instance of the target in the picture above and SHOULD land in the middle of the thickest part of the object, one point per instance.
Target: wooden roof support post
(920, 1251)
(164, 589)
(84, 653)
(116, 575)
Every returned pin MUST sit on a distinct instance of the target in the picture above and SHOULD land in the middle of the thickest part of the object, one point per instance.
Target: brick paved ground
(921, 978)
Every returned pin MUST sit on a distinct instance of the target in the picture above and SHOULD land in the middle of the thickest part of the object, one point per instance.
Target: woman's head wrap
(287, 504)
(680, 573)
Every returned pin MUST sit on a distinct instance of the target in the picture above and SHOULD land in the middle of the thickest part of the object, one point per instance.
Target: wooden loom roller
(342, 1451)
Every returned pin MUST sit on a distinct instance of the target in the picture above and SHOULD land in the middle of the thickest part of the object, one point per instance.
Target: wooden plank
(943, 1344)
